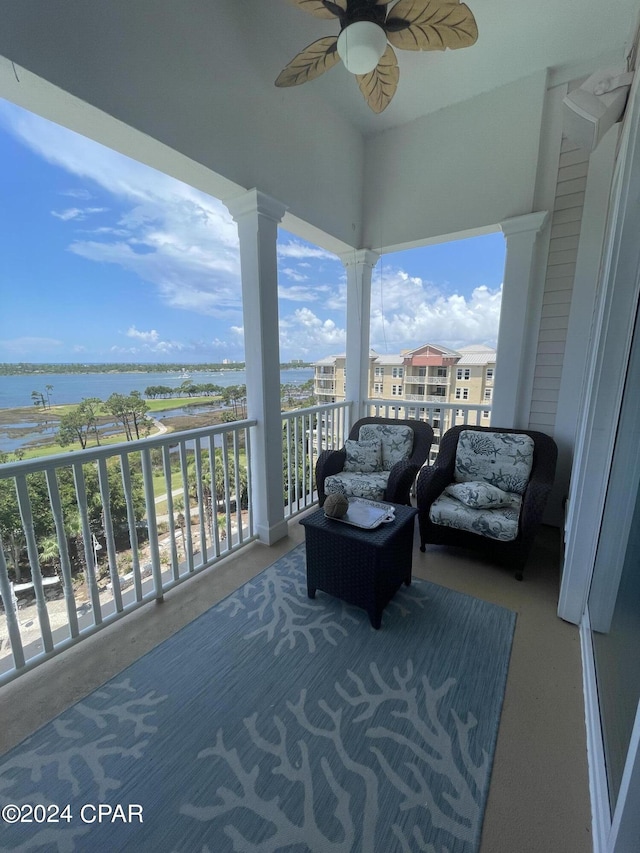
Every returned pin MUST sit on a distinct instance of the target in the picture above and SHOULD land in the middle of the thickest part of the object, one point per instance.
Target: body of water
(15, 392)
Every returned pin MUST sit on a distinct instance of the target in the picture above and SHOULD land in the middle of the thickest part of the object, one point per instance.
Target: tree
(38, 399)
(130, 411)
(236, 397)
(77, 423)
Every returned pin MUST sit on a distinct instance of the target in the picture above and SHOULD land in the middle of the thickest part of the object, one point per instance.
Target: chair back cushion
(503, 459)
(397, 442)
(363, 456)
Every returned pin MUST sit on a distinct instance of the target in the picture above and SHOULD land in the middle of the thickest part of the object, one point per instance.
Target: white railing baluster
(133, 525)
(202, 513)
(227, 492)
(187, 507)
(236, 465)
(289, 506)
(26, 515)
(166, 467)
(10, 602)
(103, 481)
(63, 551)
(152, 527)
(87, 540)
(215, 533)
(247, 444)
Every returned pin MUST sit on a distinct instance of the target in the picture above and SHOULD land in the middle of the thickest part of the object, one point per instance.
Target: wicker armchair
(432, 482)
(402, 474)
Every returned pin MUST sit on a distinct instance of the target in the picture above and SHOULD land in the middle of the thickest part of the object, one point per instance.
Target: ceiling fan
(369, 30)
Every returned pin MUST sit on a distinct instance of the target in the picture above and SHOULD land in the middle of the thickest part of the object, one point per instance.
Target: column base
(269, 535)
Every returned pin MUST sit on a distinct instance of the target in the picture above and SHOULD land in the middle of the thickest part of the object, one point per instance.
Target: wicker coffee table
(361, 567)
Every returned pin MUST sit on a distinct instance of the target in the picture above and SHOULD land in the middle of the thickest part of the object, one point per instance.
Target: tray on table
(366, 514)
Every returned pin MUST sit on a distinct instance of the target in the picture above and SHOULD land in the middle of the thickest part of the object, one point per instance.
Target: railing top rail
(444, 404)
(91, 454)
(324, 407)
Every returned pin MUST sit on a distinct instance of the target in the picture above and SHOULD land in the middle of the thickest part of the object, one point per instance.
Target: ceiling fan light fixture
(361, 45)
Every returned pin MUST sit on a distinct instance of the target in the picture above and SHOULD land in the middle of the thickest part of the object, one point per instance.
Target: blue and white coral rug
(278, 723)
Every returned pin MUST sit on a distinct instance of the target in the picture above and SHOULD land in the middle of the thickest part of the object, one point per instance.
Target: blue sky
(104, 259)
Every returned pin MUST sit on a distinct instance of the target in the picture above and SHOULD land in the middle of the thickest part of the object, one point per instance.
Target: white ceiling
(244, 44)
(515, 40)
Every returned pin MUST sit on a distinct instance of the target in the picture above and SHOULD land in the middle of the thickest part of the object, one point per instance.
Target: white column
(359, 265)
(258, 217)
(522, 292)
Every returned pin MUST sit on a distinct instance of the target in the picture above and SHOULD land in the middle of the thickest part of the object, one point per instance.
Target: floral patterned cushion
(503, 459)
(363, 456)
(370, 486)
(397, 442)
(481, 494)
(500, 523)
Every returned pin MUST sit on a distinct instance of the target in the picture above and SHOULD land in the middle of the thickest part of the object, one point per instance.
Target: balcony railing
(429, 379)
(425, 398)
(109, 529)
(439, 414)
(306, 434)
(101, 532)
(159, 510)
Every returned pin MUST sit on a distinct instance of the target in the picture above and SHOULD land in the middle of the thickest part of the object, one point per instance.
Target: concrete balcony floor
(539, 797)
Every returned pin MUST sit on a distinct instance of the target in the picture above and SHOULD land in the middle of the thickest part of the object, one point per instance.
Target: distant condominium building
(415, 381)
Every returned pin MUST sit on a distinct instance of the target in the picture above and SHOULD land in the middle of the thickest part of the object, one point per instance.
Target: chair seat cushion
(397, 441)
(370, 486)
(500, 523)
(503, 459)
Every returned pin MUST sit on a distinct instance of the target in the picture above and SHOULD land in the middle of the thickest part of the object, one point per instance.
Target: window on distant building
(377, 387)
(487, 393)
(463, 373)
(459, 413)
(396, 390)
(379, 371)
(442, 371)
(489, 372)
(397, 372)
(486, 414)
(462, 393)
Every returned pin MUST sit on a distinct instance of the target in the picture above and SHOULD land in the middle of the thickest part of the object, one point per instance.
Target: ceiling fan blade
(310, 63)
(431, 25)
(379, 86)
(322, 9)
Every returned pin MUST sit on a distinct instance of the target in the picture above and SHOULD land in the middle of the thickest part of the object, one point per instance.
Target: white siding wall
(561, 267)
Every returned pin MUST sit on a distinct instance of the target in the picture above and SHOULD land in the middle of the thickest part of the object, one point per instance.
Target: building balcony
(430, 379)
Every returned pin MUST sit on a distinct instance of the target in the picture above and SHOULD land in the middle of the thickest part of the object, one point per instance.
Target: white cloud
(407, 311)
(294, 274)
(77, 193)
(77, 214)
(149, 337)
(169, 234)
(300, 250)
(305, 333)
(297, 294)
(66, 215)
